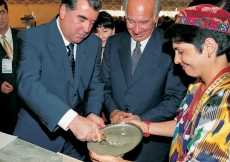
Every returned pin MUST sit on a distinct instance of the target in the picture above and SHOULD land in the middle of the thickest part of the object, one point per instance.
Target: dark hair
(224, 4)
(71, 4)
(167, 18)
(196, 36)
(105, 20)
(2, 2)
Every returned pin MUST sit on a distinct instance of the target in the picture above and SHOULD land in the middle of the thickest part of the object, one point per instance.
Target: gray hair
(156, 12)
(71, 4)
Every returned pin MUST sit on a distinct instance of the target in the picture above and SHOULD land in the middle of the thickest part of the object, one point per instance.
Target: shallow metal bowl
(124, 137)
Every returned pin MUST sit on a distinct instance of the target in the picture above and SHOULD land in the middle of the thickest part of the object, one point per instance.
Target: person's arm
(95, 93)
(35, 89)
(46, 105)
(161, 129)
(105, 158)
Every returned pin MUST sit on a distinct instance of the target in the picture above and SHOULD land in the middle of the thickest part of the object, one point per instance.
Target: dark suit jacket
(47, 86)
(9, 103)
(153, 93)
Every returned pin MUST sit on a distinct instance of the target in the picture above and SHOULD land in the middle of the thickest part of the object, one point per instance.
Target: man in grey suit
(9, 100)
(152, 91)
(62, 95)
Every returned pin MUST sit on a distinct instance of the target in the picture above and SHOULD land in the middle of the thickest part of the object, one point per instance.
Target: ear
(113, 31)
(156, 20)
(62, 11)
(210, 46)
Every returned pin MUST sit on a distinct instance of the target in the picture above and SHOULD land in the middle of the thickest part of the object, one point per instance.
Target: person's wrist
(147, 134)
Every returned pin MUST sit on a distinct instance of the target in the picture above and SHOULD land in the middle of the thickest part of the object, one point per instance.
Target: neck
(4, 30)
(219, 64)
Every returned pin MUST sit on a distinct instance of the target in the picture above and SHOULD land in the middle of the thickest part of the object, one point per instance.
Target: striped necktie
(7, 47)
(136, 56)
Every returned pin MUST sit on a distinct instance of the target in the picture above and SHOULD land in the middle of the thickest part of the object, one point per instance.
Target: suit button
(126, 109)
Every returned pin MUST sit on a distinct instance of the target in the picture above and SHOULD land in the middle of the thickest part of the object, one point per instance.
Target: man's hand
(133, 117)
(85, 129)
(119, 116)
(6, 87)
(96, 119)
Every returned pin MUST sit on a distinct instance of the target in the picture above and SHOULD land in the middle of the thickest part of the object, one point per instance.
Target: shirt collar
(143, 43)
(65, 41)
(8, 34)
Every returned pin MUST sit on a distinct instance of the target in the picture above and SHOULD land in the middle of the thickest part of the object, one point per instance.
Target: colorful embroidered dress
(203, 133)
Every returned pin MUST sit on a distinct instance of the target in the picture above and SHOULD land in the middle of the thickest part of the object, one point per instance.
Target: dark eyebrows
(129, 19)
(85, 18)
(82, 17)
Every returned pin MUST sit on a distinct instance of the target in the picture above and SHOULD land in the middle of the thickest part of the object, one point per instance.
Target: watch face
(120, 138)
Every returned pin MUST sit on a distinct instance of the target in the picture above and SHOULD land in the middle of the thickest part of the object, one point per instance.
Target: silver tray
(124, 136)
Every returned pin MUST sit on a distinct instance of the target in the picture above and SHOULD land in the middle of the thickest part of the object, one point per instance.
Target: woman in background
(104, 27)
(200, 131)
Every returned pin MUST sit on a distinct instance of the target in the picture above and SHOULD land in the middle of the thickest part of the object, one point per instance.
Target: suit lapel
(2, 51)
(148, 57)
(57, 44)
(81, 55)
(15, 44)
(125, 57)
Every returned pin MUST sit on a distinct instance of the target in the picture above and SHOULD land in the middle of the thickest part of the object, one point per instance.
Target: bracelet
(146, 134)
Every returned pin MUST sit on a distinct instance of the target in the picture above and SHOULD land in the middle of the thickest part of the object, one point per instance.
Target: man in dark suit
(63, 95)
(153, 91)
(9, 101)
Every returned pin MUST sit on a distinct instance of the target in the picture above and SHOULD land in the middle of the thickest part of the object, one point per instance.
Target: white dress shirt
(143, 44)
(70, 114)
(9, 38)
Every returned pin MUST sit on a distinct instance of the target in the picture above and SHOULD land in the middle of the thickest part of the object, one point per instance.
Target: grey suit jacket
(154, 92)
(48, 88)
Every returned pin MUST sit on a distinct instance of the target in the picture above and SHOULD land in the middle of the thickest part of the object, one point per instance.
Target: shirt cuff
(67, 118)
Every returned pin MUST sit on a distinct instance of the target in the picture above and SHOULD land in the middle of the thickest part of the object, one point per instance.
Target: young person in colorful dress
(200, 131)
